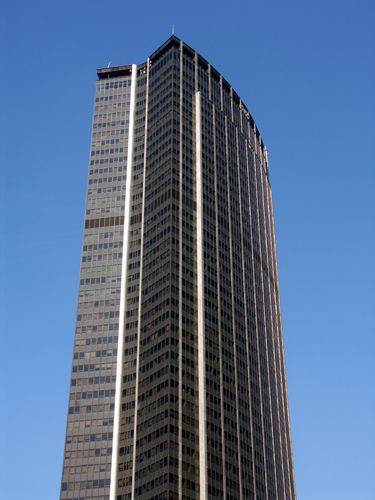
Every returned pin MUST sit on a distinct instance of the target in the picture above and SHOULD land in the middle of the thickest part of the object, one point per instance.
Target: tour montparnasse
(178, 387)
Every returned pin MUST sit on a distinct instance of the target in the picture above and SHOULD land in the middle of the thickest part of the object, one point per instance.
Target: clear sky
(305, 69)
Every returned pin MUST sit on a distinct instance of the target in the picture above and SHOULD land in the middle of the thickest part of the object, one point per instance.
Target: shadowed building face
(178, 386)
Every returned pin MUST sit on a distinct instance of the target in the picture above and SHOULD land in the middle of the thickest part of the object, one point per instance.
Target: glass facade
(178, 386)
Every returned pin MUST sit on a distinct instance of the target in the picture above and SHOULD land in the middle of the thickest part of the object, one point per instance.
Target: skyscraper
(178, 386)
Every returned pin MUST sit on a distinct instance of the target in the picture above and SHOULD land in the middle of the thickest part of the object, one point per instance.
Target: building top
(113, 72)
(117, 71)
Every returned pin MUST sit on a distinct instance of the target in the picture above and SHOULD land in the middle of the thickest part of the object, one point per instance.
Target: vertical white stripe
(221, 94)
(241, 116)
(231, 105)
(140, 290)
(180, 270)
(200, 301)
(209, 83)
(120, 345)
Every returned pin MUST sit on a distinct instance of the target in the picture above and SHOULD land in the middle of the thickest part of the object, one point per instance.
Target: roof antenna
(109, 64)
(172, 29)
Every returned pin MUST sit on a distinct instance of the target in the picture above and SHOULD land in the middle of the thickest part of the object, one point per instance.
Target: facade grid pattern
(178, 387)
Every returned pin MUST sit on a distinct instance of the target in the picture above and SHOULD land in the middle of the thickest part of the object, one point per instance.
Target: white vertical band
(124, 266)
(221, 94)
(180, 271)
(200, 301)
(140, 289)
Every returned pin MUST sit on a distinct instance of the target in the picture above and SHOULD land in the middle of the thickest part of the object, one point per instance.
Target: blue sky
(306, 72)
